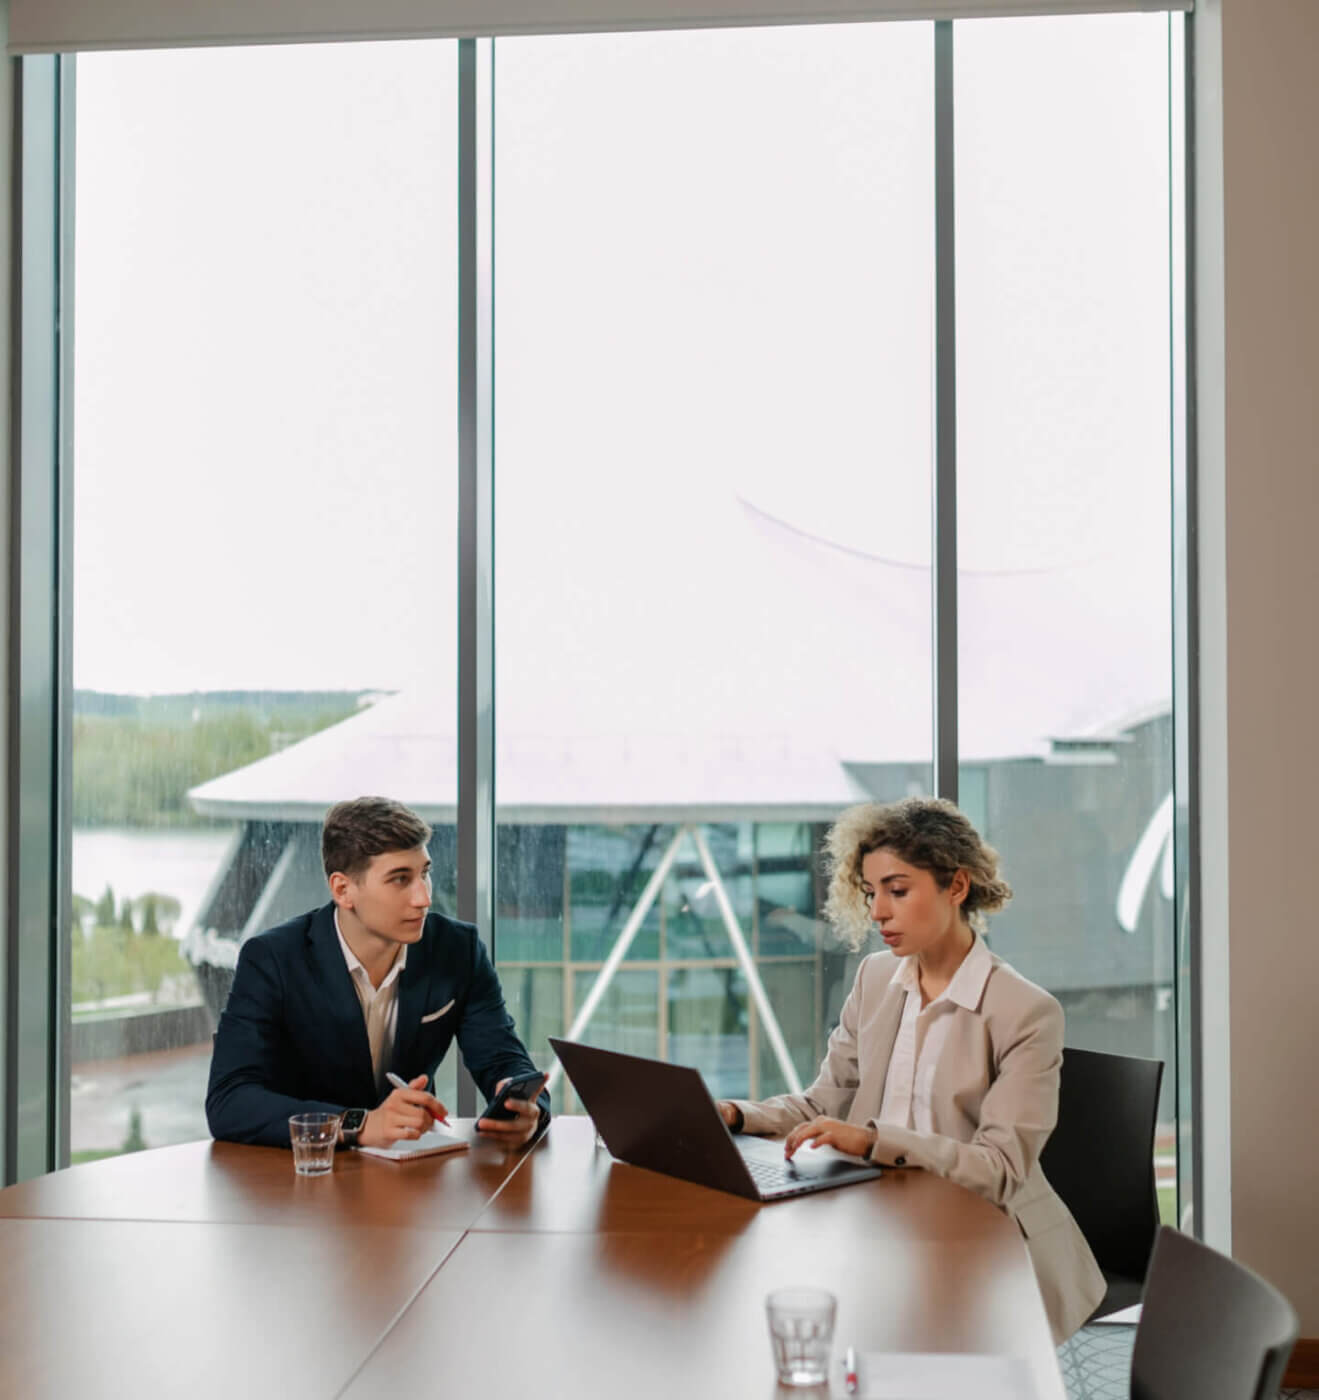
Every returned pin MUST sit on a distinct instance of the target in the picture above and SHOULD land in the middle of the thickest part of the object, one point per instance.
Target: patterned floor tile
(1096, 1365)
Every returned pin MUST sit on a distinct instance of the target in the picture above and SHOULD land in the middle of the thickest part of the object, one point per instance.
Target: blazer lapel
(883, 1033)
(344, 1025)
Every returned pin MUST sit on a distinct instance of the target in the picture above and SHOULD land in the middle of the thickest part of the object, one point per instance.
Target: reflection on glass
(263, 515)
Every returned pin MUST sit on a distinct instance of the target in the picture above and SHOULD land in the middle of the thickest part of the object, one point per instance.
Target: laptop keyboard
(769, 1176)
(774, 1176)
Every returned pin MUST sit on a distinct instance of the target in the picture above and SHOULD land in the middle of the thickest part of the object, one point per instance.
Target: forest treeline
(135, 757)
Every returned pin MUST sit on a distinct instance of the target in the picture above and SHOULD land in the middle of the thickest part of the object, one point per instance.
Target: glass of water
(313, 1136)
(801, 1327)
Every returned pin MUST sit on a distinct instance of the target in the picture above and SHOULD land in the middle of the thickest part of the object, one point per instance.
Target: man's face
(392, 896)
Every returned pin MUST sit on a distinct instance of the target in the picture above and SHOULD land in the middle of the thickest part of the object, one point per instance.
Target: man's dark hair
(356, 832)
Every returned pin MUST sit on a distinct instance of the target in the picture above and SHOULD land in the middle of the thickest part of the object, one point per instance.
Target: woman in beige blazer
(944, 1057)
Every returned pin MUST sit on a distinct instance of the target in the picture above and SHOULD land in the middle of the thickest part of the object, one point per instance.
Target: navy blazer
(292, 1037)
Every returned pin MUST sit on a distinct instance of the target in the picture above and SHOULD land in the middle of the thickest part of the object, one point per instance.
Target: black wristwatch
(351, 1125)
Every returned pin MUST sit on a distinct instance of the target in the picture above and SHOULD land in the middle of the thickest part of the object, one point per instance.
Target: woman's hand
(731, 1114)
(846, 1137)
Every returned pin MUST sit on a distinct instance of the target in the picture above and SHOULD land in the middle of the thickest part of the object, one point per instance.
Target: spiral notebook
(429, 1144)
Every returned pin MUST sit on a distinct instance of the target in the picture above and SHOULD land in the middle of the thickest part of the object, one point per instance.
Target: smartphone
(525, 1087)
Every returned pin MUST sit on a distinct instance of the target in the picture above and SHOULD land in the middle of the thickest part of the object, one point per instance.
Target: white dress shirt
(921, 1033)
(379, 1007)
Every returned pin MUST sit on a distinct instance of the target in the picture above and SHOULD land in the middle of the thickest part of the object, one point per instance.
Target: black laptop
(662, 1117)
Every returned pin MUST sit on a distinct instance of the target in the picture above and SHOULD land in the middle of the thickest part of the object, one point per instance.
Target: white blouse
(921, 1033)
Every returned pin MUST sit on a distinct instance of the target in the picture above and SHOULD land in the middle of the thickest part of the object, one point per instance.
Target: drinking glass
(801, 1327)
(313, 1136)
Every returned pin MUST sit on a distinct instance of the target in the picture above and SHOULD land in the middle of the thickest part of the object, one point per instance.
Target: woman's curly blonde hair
(926, 832)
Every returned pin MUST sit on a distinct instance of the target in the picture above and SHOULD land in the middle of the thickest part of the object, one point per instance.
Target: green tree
(154, 959)
(134, 1142)
(126, 917)
(97, 966)
(111, 962)
(164, 909)
(83, 911)
(105, 907)
(135, 768)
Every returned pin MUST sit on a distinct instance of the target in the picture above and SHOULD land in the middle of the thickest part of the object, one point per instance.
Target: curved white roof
(740, 705)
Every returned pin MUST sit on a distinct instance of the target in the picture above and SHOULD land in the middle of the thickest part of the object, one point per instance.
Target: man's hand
(856, 1142)
(406, 1113)
(521, 1128)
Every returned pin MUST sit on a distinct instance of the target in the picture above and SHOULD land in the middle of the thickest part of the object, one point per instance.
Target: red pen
(849, 1372)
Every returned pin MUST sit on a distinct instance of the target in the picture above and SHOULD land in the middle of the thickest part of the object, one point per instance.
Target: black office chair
(1209, 1329)
(1100, 1160)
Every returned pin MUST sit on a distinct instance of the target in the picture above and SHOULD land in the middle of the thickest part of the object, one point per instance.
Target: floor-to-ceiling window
(714, 268)
(714, 356)
(263, 468)
(1064, 510)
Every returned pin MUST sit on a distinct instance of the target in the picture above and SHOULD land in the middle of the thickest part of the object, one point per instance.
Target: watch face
(353, 1120)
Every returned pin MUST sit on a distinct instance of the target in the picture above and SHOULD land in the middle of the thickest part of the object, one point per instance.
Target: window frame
(34, 1028)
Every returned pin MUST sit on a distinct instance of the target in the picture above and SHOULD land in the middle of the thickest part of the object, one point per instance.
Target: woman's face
(913, 914)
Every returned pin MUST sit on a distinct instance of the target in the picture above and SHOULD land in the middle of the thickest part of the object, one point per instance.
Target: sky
(714, 301)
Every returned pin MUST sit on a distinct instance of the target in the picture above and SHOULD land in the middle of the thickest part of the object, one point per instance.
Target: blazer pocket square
(435, 1015)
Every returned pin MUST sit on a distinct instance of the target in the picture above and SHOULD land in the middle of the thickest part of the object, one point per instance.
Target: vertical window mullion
(1186, 961)
(34, 1044)
(61, 1067)
(476, 678)
(944, 495)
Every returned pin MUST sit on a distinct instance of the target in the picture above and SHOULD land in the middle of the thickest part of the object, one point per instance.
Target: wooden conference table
(210, 1269)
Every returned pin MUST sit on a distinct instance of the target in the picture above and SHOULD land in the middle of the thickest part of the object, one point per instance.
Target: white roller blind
(53, 26)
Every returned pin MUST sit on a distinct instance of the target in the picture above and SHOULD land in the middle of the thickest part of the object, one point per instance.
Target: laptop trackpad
(808, 1162)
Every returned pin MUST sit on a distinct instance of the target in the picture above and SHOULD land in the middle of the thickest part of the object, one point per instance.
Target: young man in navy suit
(324, 1006)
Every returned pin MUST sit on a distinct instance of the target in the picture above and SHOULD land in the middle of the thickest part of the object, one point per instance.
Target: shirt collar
(968, 982)
(904, 975)
(355, 963)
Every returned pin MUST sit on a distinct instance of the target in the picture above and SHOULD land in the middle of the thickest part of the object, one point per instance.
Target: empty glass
(313, 1136)
(801, 1327)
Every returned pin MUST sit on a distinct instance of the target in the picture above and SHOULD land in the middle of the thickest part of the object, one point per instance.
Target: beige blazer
(994, 1101)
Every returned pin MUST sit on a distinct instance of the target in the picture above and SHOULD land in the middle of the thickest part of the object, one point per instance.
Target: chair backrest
(1100, 1156)
(1209, 1328)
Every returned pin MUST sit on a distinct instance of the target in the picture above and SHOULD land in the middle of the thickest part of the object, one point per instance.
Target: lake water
(134, 862)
